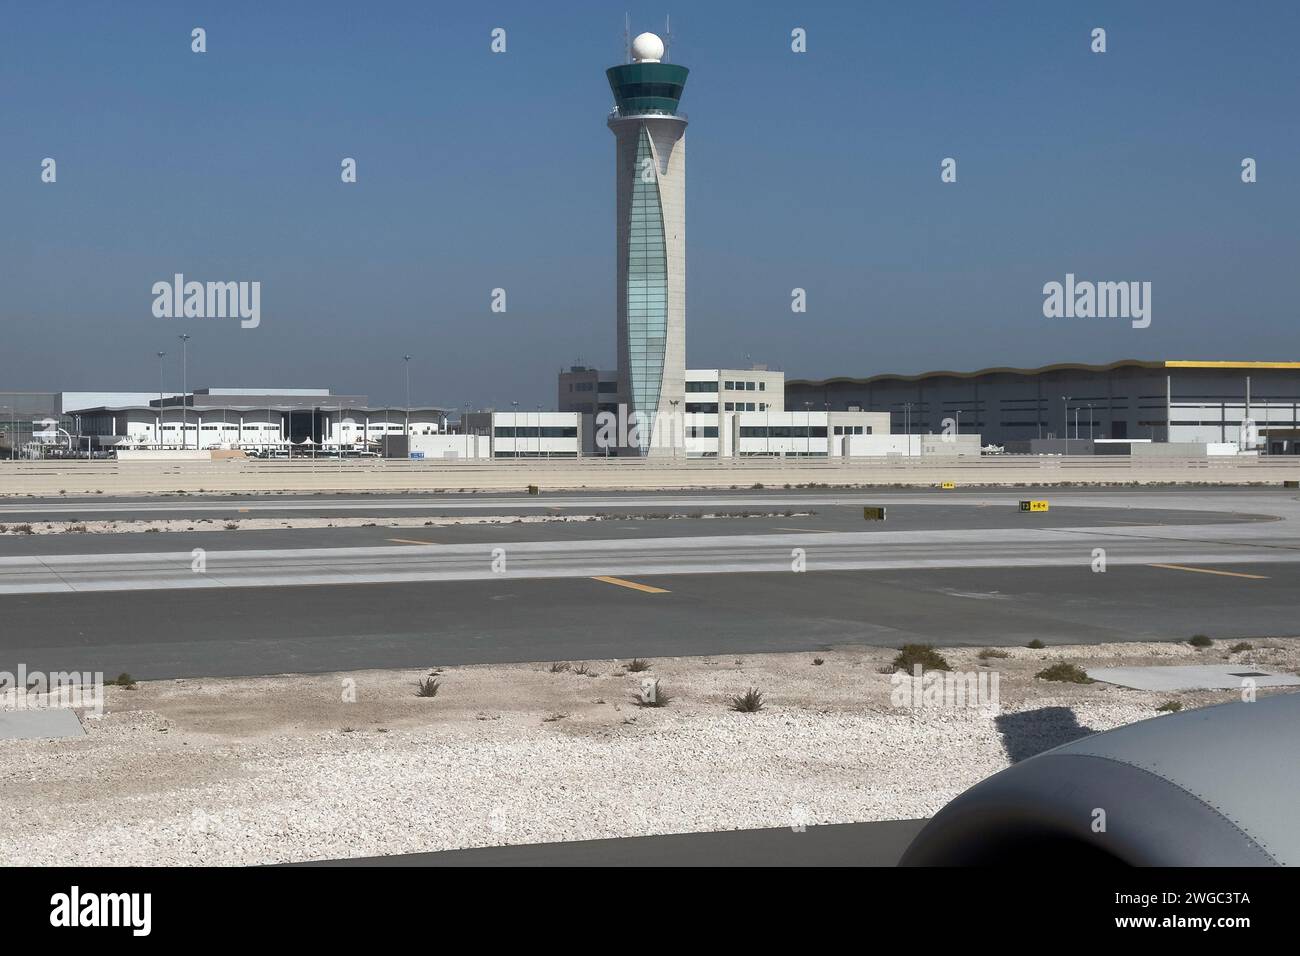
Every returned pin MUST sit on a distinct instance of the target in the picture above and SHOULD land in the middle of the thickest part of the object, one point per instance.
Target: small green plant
(926, 656)
(1035, 645)
(582, 670)
(750, 702)
(636, 665)
(427, 687)
(1170, 707)
(1199, 640)
(1068, 673)
(123, 680)
(77, 529)
(818, 661)
(652, 695)
(23, 529)
(232, 526)
(992, 652)
(1238, 648)
(559, 667)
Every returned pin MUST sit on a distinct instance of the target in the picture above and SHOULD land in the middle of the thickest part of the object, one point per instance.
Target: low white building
(915, 446)
(536, 434)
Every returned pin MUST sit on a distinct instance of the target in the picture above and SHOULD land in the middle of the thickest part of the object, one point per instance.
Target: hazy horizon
(479, 170)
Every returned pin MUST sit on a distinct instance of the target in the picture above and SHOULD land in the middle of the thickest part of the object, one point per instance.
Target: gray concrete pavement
(1026, 546)
(966, 569)
(225, 632)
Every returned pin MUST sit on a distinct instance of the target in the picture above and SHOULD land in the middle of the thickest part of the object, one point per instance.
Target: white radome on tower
(647, 48)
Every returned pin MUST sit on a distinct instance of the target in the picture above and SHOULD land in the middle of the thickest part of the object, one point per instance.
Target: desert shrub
(750, 702)
(910, 655)
(1068, 673)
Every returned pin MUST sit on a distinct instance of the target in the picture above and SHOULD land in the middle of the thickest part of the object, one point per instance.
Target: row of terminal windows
(852, 430)
(533, 431)
(783, 431)
(711, 408)
(701, 386)
(705, 431)
(745, 386)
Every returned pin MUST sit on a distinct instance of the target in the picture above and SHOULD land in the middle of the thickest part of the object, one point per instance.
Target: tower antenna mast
(668, 37)
(627, 38)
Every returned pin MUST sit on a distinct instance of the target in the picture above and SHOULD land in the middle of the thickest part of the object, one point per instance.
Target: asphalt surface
(841, 844)
(945, 569)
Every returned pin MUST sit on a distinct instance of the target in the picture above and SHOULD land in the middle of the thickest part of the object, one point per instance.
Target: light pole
(161, 356)
(1090, 421)
(185, 415)
(407, 360)
(515, 430)
(1065, 417)
(675, 433)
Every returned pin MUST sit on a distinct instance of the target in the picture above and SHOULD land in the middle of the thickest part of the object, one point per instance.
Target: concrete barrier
(255, 476)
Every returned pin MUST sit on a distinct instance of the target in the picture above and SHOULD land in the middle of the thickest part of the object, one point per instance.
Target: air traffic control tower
(651, 237)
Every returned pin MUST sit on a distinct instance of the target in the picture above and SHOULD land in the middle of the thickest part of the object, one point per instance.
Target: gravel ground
(285, 768)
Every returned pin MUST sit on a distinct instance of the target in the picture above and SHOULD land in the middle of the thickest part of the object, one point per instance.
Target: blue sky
(479, 170)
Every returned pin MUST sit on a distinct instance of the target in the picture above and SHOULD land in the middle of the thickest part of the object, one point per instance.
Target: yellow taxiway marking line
(631, 584)
(805, 530)
(243, 510)
(411, 541)
(1227, 574)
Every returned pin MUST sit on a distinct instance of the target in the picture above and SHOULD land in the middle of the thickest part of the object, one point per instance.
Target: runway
(944, 569)
(415, 561)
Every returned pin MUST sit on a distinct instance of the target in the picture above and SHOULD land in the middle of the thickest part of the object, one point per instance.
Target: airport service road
(1217, 561)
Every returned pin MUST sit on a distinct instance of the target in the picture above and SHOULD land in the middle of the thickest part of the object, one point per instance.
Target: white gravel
(280, 769)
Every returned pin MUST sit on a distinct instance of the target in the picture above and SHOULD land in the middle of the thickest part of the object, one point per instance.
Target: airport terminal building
(267, 418)
(1159, 401)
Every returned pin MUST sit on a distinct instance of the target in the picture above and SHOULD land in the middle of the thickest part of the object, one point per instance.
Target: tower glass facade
(647, 291)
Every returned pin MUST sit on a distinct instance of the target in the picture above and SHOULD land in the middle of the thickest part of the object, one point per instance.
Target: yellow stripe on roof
(1189, 364)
